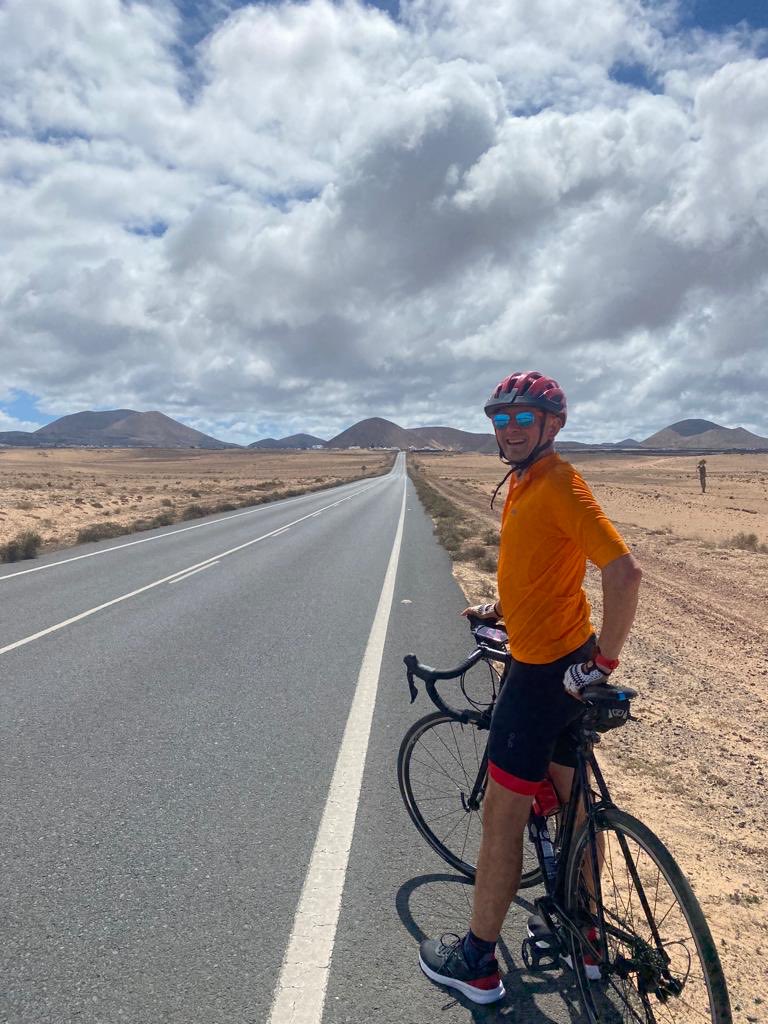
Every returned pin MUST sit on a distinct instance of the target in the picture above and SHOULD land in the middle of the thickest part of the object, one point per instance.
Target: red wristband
(608, 664)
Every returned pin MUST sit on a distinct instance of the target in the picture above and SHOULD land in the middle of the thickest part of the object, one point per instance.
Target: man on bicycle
(551, 525)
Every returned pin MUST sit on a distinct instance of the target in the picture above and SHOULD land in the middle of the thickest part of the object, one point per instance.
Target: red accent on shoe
(486, 983)
(591, 937)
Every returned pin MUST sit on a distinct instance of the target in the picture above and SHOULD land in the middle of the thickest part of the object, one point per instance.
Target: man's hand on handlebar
(482, 611)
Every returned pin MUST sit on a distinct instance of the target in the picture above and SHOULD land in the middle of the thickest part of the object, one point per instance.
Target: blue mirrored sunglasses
(522, 419)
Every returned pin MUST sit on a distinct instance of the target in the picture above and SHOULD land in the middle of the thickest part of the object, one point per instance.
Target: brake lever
(408, 661)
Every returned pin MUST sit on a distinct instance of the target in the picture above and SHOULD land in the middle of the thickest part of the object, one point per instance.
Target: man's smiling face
(519, 438)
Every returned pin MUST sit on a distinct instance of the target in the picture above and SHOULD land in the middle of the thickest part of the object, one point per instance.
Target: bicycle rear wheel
(437, 767)
(662, 963)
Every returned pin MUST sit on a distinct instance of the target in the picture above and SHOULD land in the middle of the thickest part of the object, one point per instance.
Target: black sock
(477, 950)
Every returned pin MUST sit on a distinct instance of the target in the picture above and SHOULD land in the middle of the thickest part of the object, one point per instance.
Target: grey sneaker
(443, 961)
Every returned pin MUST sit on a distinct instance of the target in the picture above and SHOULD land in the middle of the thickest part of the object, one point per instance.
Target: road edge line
(300, 993)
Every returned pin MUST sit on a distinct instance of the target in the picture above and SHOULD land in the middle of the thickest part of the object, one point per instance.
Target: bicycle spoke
(442, 767)
(655, 972)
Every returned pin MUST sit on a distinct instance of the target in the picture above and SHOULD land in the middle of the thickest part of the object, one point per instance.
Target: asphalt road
(172, 707)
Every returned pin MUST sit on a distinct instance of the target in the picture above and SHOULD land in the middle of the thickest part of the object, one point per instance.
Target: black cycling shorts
(531, 722)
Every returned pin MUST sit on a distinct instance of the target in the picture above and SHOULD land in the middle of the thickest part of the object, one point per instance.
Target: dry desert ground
(58, 492)
(695, 766)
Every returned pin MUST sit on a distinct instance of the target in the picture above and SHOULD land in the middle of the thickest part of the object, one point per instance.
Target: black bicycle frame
(581, 790)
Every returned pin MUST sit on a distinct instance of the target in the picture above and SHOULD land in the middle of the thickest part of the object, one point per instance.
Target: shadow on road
(436, 904)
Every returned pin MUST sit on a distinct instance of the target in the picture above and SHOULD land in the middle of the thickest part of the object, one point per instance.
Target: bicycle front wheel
(441, 762)
(659, 962)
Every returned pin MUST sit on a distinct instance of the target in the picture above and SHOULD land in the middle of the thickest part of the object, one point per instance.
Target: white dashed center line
(188, 574)
(187, 571)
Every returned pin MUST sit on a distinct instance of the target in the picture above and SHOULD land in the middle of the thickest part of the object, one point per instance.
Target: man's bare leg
(500, 860)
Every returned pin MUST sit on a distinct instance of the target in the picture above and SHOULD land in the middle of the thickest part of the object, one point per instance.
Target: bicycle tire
(437, 747)
(673, 976)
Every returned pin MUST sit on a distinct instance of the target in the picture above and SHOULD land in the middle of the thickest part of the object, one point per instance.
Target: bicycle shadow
(434, 904)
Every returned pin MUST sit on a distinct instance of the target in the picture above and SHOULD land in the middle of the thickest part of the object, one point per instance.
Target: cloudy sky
(269, 217)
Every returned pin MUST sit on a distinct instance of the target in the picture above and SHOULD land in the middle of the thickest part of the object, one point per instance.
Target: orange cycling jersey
(550, 526)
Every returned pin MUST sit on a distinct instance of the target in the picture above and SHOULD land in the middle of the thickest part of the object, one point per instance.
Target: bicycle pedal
(538, 957)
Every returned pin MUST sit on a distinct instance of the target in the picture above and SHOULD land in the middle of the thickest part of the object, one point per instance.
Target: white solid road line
(300, 994)
(183, 529)
(194, 571)
(166, 579)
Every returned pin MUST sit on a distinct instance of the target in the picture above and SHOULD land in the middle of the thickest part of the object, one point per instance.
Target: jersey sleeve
(580, 517)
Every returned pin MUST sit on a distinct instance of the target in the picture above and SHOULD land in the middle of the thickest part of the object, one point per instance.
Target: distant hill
(116, 428)
(293, 441)
(373, 433)
(697, 434)
(450, 437)
(694, 434)
(18, 439)
(570, 446)
(124, 428)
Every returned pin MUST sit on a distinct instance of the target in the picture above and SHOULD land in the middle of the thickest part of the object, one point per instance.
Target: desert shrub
(101, 531)
(96, 504)
(470, 552)
(163, 519)
(452, 527)
(489, 562)
(25, 506)
(195, 512)
(24, 545)
(747, 542)
(195, 494)
(166, 502)
(225, 506)
(30, 543)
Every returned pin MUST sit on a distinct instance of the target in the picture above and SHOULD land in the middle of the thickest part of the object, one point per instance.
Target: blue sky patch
(23, 406)
(156, 229)
(718, 15)
(636, 75)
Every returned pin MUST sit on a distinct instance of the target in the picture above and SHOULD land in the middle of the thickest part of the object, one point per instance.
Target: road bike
(616, 908)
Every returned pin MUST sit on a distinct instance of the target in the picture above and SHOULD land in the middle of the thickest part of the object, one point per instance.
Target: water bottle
(545, 800)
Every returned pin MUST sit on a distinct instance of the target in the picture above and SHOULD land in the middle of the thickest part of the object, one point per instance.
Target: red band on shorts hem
(523, 786)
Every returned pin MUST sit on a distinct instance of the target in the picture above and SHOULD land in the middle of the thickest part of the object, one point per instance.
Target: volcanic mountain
(697, 434)
(380, 433)
(292, 441)
(117, 428)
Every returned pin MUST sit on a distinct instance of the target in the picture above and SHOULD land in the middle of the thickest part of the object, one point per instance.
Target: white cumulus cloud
(317, 213)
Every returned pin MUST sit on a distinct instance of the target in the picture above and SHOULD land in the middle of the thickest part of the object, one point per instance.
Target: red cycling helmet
(529, 388)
